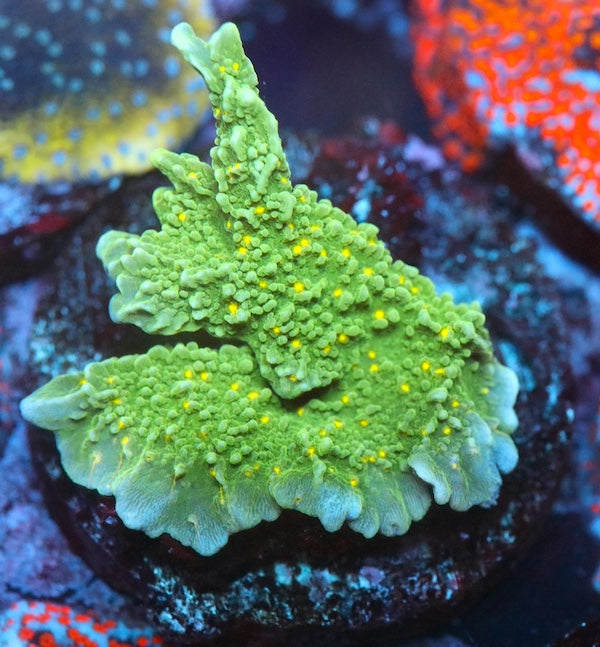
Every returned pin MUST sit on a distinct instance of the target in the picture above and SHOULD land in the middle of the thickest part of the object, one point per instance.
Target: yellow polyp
(346, 252)
(228, 224)
(299, 286)
(110, 379)
(338, 292)
(264, 419)
(235, 386)
(293, 378)
(192, 175)
(181, 217)
(248, 473)
(345, 398)
(242, 250)
(222, 69)
(401, 279)
(300, 411)
(311, 451)
(338, 424)
(233, 308)
(304, 242)
(363, 422)
(455, 465)
(455, 404)
(372, 354)
(425, 366)
(262, 284)
(96, 459)
(188, 374)
(284, 180)
(368, 271)
(379, 314)
(121, 424)
(186, 405)
(221, 495)
(247, 240)
(296, 249)
(302, 198)
(213, 473)
(291, 226)
(323, 432)
(277, 470)
(447, 431)
(236, 66)
(117, 401)
(204, 376)
(253, 395)
(124, 440)
(296, 343)
(374, 368)
(424, 432)
(327, 350)
(405, 388)
(276, 330)
(382, 453)
(217, 111)
(323, 252)
(353, 481)
(440, 371)
(444, 332)
(343, 338)
(259, 210)
(485, 390)
(414, 289)
(82, 381)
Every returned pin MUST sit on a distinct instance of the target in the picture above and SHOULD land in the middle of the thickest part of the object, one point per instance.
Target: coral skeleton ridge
(356, 394)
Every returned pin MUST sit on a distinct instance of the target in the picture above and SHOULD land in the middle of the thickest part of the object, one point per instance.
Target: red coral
(39, 624)
(493, 72)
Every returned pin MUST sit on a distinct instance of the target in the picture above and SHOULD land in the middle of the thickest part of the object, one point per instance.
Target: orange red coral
(493, 72)
(44, 624)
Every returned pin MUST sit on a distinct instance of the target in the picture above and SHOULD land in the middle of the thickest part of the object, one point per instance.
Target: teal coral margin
(356, 395)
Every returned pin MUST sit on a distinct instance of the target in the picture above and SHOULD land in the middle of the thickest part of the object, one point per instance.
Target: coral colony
(44, 624)
(353, 392)
(517, 72)
(89, 89)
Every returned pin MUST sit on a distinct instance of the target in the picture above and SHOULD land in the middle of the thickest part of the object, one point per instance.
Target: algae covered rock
(354, 393)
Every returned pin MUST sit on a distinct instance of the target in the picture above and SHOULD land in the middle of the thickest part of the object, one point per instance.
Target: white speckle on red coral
(516, 73)
(44, 624)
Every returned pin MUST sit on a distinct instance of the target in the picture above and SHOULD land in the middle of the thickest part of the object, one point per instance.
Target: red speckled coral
(43, 624)
(493, 72)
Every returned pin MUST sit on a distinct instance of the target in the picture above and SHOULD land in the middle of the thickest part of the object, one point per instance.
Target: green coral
(356, 389)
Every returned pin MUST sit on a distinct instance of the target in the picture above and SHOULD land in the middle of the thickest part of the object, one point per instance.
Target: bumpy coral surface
(44, 624)
(89, 89)
(356, 390)
(518, 72)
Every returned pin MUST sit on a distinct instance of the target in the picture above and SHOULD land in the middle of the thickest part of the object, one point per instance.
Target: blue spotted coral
(90, 88)
(356, 394)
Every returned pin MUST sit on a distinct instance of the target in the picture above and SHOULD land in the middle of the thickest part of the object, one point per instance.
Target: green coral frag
(201, 443)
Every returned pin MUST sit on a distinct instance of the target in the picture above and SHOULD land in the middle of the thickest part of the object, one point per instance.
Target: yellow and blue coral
(89, 89)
